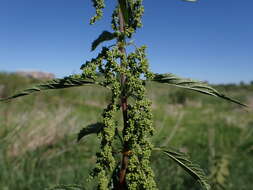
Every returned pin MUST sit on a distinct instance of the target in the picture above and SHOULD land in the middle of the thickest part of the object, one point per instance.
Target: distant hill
(36, 74)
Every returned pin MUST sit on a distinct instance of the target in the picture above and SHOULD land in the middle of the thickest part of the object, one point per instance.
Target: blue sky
(210, 40)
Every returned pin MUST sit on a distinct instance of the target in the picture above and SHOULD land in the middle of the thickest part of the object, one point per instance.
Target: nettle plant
(125, 74)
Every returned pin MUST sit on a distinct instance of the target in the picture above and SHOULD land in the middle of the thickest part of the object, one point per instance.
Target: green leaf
(67, 82)
(105, 36)
(67, 187)
(194, 85)
(194, 170)
(90, 129)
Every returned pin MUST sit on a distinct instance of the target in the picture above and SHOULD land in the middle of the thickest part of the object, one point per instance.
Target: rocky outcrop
(36, 74)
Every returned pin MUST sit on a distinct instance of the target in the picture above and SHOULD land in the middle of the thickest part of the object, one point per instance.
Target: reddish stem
(124, 163)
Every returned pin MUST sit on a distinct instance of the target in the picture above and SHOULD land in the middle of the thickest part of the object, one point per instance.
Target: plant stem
(124, 162)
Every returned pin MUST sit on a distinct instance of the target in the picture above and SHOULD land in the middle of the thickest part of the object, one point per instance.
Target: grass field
(38, 147)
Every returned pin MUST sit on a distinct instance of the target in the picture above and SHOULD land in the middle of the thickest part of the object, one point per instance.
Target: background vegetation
(38, 145)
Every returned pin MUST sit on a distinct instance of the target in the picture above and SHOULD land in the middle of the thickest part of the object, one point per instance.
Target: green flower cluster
(105, 159)
(99, 5)
(136, 11)
(114, 63)
(132, 14)
(139, 129)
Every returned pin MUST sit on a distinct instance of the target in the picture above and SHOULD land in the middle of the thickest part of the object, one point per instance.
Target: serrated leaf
(105, 36)
(67, 187)
(90, 129)
(194, 170)
(194, 85)
(66, 82)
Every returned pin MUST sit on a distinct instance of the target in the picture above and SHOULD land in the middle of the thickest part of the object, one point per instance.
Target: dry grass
(38, 128)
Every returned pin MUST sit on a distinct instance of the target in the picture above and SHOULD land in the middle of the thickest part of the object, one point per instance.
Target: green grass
(38, 146)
